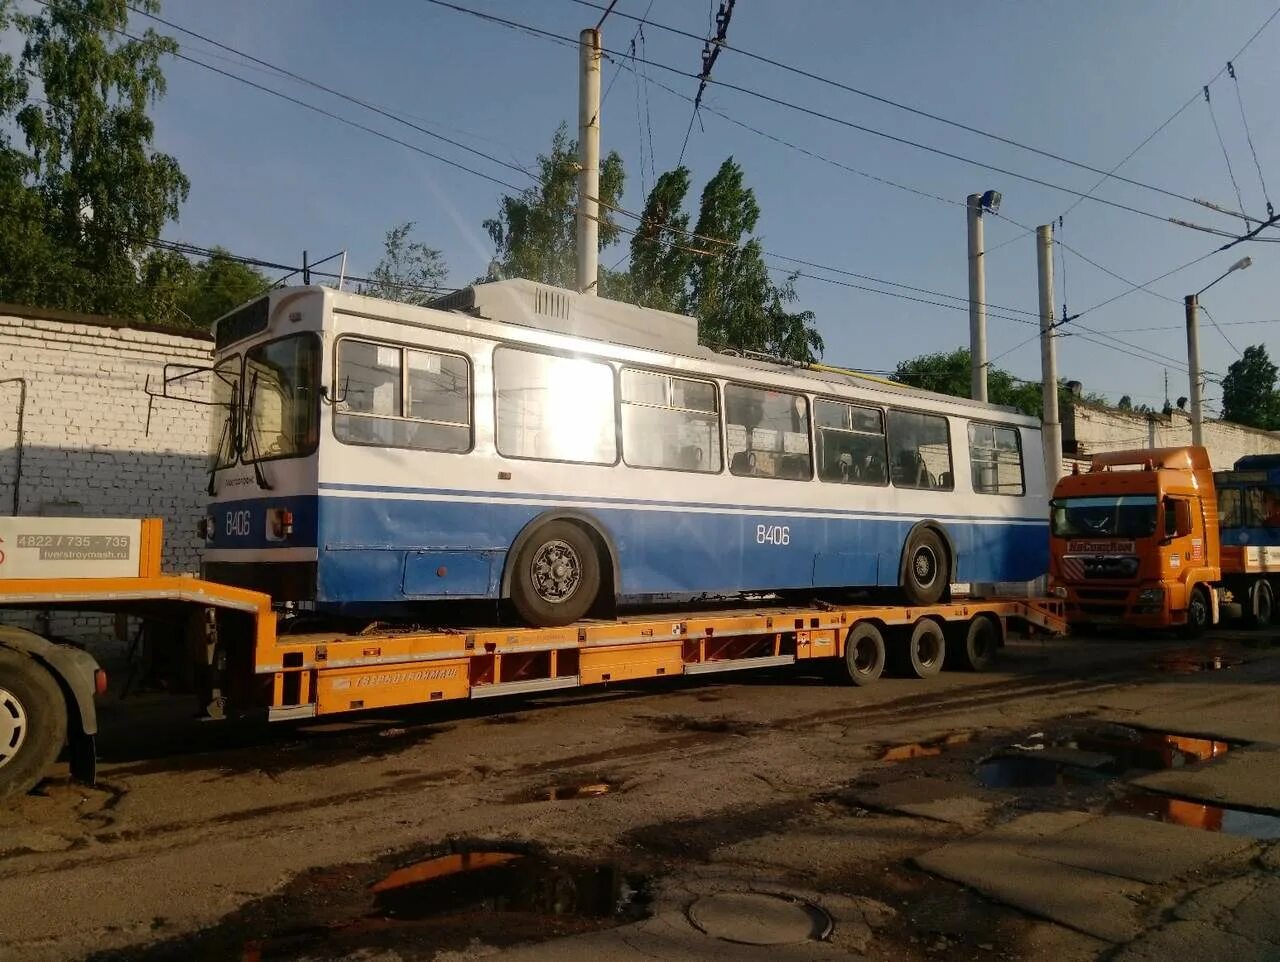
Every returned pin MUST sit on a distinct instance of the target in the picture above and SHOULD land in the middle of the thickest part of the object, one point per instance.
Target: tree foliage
(409, 270)
(84, 193)
(1249, 390)
(947, 372)
(535, 233)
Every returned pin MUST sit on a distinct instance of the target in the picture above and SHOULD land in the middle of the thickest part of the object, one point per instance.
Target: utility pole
(1192, 302)
(589, 161)
(977, 301)
(1052, 435)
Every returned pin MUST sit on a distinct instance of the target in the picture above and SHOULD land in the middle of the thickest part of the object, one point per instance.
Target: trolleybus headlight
(205, 528)
(1150, 596)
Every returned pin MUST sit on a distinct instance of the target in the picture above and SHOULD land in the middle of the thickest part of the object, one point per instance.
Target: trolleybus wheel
(974, 647)
(921, 652)
(33, 722)
(1263, 605)
(557, 576)
(1198, 613)
(924, 577)
(864, 654)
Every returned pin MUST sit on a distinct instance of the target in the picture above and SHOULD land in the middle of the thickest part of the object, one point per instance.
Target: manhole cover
(754, 918)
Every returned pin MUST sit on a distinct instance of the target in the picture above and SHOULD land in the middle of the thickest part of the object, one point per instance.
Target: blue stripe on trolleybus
(379, 548)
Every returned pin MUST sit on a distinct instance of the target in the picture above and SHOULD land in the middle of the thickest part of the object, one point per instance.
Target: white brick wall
(87, 448)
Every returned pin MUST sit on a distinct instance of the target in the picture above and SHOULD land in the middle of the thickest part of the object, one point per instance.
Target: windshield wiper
(212, 488)
(252, 437)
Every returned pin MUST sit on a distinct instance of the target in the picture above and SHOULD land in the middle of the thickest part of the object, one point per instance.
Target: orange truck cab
(1134, 540)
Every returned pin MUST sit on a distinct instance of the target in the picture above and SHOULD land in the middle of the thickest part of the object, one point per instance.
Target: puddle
(567, 791)
(1191, 814)
(1029, 771)
(1191, 662)
(1148, 750)
(930, 748)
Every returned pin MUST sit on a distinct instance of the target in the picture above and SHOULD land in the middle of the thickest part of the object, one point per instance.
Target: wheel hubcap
(557, 572)
(925, 566)
(927, 650)
(864, 656)
(13, 726)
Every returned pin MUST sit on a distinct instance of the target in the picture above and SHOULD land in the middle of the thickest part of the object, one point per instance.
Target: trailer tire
(921, 651)
(33, 722)
(1263, 609)
(1199, 613)
(975, 648)
(925, 569)
(557, 576)
(864, 654)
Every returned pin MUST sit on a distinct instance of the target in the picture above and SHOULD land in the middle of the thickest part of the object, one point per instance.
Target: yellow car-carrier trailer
(245, 659)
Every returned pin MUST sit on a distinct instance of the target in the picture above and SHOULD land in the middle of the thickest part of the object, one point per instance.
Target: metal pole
(589, 161)
(1048, 356)
(1193, 368)
(306, 269)
(977, 302)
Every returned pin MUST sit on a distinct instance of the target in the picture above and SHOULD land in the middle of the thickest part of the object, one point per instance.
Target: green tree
(88, 192)
(535, 233)
(661, 250)
(409, 269)
(729, 289)
(1249, 390)
(947, 372)
(189, 294)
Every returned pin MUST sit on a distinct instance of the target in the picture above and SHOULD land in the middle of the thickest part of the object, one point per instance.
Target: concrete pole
(1048, 357)
(1193, 368)
(977, 302)
(588, 239)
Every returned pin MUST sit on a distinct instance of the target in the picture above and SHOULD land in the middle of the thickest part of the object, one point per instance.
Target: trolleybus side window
(851, 447)
(400, 397)
(919, 451)
(995, 457)
(767, 433)
(669, 422)
(554, 408)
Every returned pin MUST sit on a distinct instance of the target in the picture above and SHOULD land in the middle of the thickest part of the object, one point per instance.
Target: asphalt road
(778, 815)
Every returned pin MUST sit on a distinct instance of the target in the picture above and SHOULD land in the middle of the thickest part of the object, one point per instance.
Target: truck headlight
(1149, 596)
(1060, 591)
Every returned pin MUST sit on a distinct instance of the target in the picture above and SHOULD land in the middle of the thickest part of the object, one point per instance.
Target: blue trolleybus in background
(517, 441)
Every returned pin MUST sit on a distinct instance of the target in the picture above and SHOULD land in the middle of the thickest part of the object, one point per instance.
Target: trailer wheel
(33, 722)
(1198, 613)
(1263, 605)
(921, 653)
(974, 648)
(557, 576)
(864, 654)
(925, 573)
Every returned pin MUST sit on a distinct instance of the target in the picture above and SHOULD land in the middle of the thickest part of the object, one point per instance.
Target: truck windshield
(281, 400)
(1122, 516)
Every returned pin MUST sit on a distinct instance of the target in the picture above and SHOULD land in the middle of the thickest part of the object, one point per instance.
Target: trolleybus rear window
(851, 447)
(554, 408)
(995, 456)
(767, 433)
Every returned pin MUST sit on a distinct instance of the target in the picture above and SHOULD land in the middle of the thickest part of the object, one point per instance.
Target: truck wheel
(557, 576)
(920, 654)
(33, 722)
(974, 649)
(924, 578)
(1263, 606)
(1199, 611)
(864, 654)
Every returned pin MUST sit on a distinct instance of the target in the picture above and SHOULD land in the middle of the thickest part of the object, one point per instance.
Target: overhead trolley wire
(1225, 155)
(1231, 72)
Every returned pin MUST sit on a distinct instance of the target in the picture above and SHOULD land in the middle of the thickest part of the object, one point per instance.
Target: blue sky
(1088, 79)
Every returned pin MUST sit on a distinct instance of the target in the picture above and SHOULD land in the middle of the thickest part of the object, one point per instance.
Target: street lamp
(977, 204)
(1192, 302)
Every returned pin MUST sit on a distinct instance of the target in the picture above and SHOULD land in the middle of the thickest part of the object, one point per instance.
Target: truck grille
(1109, 567)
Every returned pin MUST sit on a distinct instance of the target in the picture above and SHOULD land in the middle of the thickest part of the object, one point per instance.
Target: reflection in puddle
(925, 749)
(566, 792)
(1149, 750)
(1191, 662)
(1191, 814)
(1030, 771)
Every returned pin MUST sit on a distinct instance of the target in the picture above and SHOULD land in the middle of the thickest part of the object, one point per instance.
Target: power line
(710, 53)
(1231, 71)
(926, 114)
(1217, 327)
(1225, 156)
(851, 125)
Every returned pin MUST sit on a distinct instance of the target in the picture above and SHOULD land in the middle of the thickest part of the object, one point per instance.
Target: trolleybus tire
(1199, 612)
(920, 650)
(973, 647)
(33, 722)
(864, 654)
(556, 578)
(1263, 609)
(925, 570)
